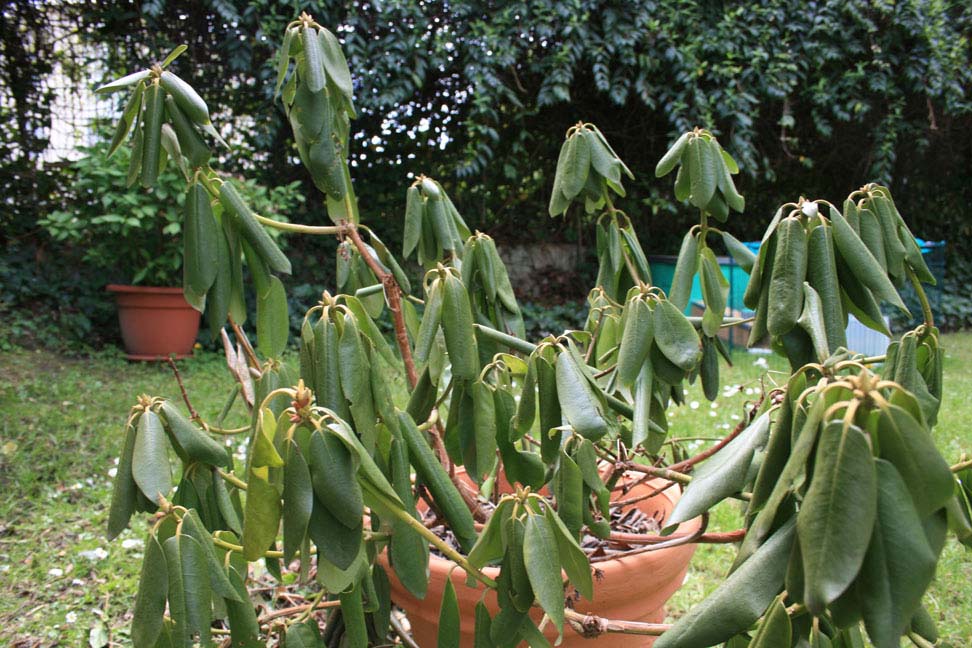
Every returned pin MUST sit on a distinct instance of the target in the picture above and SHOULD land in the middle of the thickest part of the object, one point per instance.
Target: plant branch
(962, 465)
(590, 626)
(435, 540)
(394, 295)
(232, 479)
(327, 230)
(244, 342)
(402, 632)
(708, 452)
(305, 608)
(922, 297)
(193, 415)
(515, 343)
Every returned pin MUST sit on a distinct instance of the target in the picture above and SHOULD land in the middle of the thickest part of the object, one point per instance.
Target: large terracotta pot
(632, 588)
(155, 322)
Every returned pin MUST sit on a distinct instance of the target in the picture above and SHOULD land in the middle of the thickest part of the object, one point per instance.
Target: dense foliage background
(810, 97)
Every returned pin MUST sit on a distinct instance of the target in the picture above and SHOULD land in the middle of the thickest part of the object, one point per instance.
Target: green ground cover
(62, 584)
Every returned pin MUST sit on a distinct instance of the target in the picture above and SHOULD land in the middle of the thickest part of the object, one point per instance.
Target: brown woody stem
(590, 626)
(708, 452)
(193, 415)
(394, 295)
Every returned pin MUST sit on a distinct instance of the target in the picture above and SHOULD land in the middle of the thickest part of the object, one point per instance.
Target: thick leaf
(449, 620)
(192, 440)
(722, 474)
(273, 320)
(335, 63)
(457, 326)
(176, 591)
(124, 490)
(685, 269)
(837, 516)
(489, 545)
(434, 476)
(313, 59)
(579, 402)
(199, 241)
(198, 593)
(577, 164)
(220, 584)
(775, 631)
(908, 445)
(302, 635)
(150, 462)
(715, 291)
(741, 254)
(337, 545)
(675, 336)
(543, 567)
(334, 479)
(635, 341)
(862, 263)
(704, 172)
(414, 212)
(298, 499)
(672, 156)
(739, 600)
(408, 551)
(899, 564)
(352, 612)
(124, 82)
(481, 638)
(261, 517)
(572, 557)
(152, 590)
(812, 321)
(786, 281)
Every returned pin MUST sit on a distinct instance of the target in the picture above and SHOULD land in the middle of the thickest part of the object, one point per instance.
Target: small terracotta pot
(155, 322)
(631, 588)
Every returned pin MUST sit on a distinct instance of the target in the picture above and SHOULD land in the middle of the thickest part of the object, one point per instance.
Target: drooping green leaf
(572, 557)
(273, 320)
(722, 474)
(577, 165)
(543, 567)
(192, 440)
(298, 499)
(457, 326)
(776, 629)
(739, 600)
(579, 401)
(837, 516)
(153, 588)
(899, 564)
(333, 475)
(193, 526)
(150, 462)
(261, 517)
(906, 444)
(124, 490)
(675, 336)
(449, 620)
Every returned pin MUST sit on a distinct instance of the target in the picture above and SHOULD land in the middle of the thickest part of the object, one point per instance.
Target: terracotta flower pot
(632, 588)
(155, 322)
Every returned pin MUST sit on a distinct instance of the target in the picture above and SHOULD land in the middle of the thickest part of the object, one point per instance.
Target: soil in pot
(628, 585)
(155, 322)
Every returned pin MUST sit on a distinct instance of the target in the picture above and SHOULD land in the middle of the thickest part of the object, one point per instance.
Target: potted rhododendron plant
(525, 493)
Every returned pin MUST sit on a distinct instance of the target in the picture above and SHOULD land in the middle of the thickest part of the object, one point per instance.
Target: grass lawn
(61, 582)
